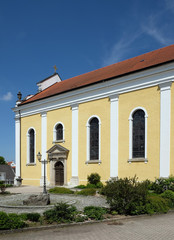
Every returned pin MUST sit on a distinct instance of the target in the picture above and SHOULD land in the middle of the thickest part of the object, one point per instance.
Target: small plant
(87, 192)
(60, 190)
(11, 221)
(61, 212)
(94, 178)
(80, 217)
(95, 212)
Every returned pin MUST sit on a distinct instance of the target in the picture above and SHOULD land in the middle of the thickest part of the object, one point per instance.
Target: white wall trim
(88, 138)
(18, 144)
(131, 133)
(75, 111)
(28, 145)
(165, 115)
(44, 140)
(114, 128)
(54, 131)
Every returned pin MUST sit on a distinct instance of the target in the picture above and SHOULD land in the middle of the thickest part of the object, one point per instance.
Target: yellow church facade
(117, 121)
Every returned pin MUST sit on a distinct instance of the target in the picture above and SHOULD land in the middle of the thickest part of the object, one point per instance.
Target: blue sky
(76, 35)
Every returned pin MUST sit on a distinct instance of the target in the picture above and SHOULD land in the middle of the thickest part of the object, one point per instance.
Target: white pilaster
(165, 112)
(114, 136)
(44, 140)
(18, 144)
(74, 179)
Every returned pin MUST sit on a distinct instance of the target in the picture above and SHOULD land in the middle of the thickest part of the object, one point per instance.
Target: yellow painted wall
(101, 108)
(63, 115)
(150, 100)
(172, 132)
(30, 174)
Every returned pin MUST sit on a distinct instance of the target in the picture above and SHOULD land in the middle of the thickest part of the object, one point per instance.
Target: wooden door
(59, 173)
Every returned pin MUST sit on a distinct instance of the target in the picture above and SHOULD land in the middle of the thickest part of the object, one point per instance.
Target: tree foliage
(2, 160)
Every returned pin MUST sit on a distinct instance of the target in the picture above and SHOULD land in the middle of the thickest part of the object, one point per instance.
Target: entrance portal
(59, 173)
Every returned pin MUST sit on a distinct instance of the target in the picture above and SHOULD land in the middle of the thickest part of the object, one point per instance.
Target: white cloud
(157, 31)
(119, 50)
(7, 97)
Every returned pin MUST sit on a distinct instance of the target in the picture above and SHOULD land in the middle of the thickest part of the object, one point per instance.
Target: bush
(126, 196)
(2, 188)
(33, 217)
(81, 186)
(168, 194)
(99, 185)
(89, 185)
(156, 204)
(95, 212)
(162, 184)
(61, 212)
(87, 191)
(60, 190)
(94, 178)
(11, 221)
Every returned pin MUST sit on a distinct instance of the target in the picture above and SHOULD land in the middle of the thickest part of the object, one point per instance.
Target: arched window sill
(59, 141)
(145, 160)
(93, 162)
(31, 164)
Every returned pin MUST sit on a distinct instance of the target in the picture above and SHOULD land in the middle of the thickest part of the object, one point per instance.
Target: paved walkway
(157, 227)
(25, 189)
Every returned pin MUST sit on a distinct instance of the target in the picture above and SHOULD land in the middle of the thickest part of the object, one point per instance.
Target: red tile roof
(144, 61)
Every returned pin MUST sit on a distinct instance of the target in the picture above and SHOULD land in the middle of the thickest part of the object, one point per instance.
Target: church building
(117, 121)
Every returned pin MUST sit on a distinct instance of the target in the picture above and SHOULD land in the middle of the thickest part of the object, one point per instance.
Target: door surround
(57, 153)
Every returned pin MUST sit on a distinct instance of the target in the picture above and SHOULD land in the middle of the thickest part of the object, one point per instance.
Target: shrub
(156, 204)
(60, 190)
(95, 212)
(11, 221)
(33, 217)
(162, 184)
(89, 185)
(126, 196)
(87, 191)
(168, 194)
(94, 178)
(80, 217)
(81, 186)
(61, 212)
(3, 188)
(99, 185)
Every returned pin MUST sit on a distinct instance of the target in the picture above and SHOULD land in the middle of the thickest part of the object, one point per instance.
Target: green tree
(2, 160)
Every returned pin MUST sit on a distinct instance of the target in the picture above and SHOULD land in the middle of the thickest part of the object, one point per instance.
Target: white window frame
(54, 133)
(131, 159)
(28, 147)
(88, 140)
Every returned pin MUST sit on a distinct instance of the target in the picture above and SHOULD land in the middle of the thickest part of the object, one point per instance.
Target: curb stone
(75, 224)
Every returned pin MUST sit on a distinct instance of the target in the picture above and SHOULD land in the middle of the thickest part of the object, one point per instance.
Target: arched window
(138, 150)
(94, 138)
(138, 134)
(59, 132)
(31, 150)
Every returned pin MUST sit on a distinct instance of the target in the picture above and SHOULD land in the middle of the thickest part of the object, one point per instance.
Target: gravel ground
(14, 203)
